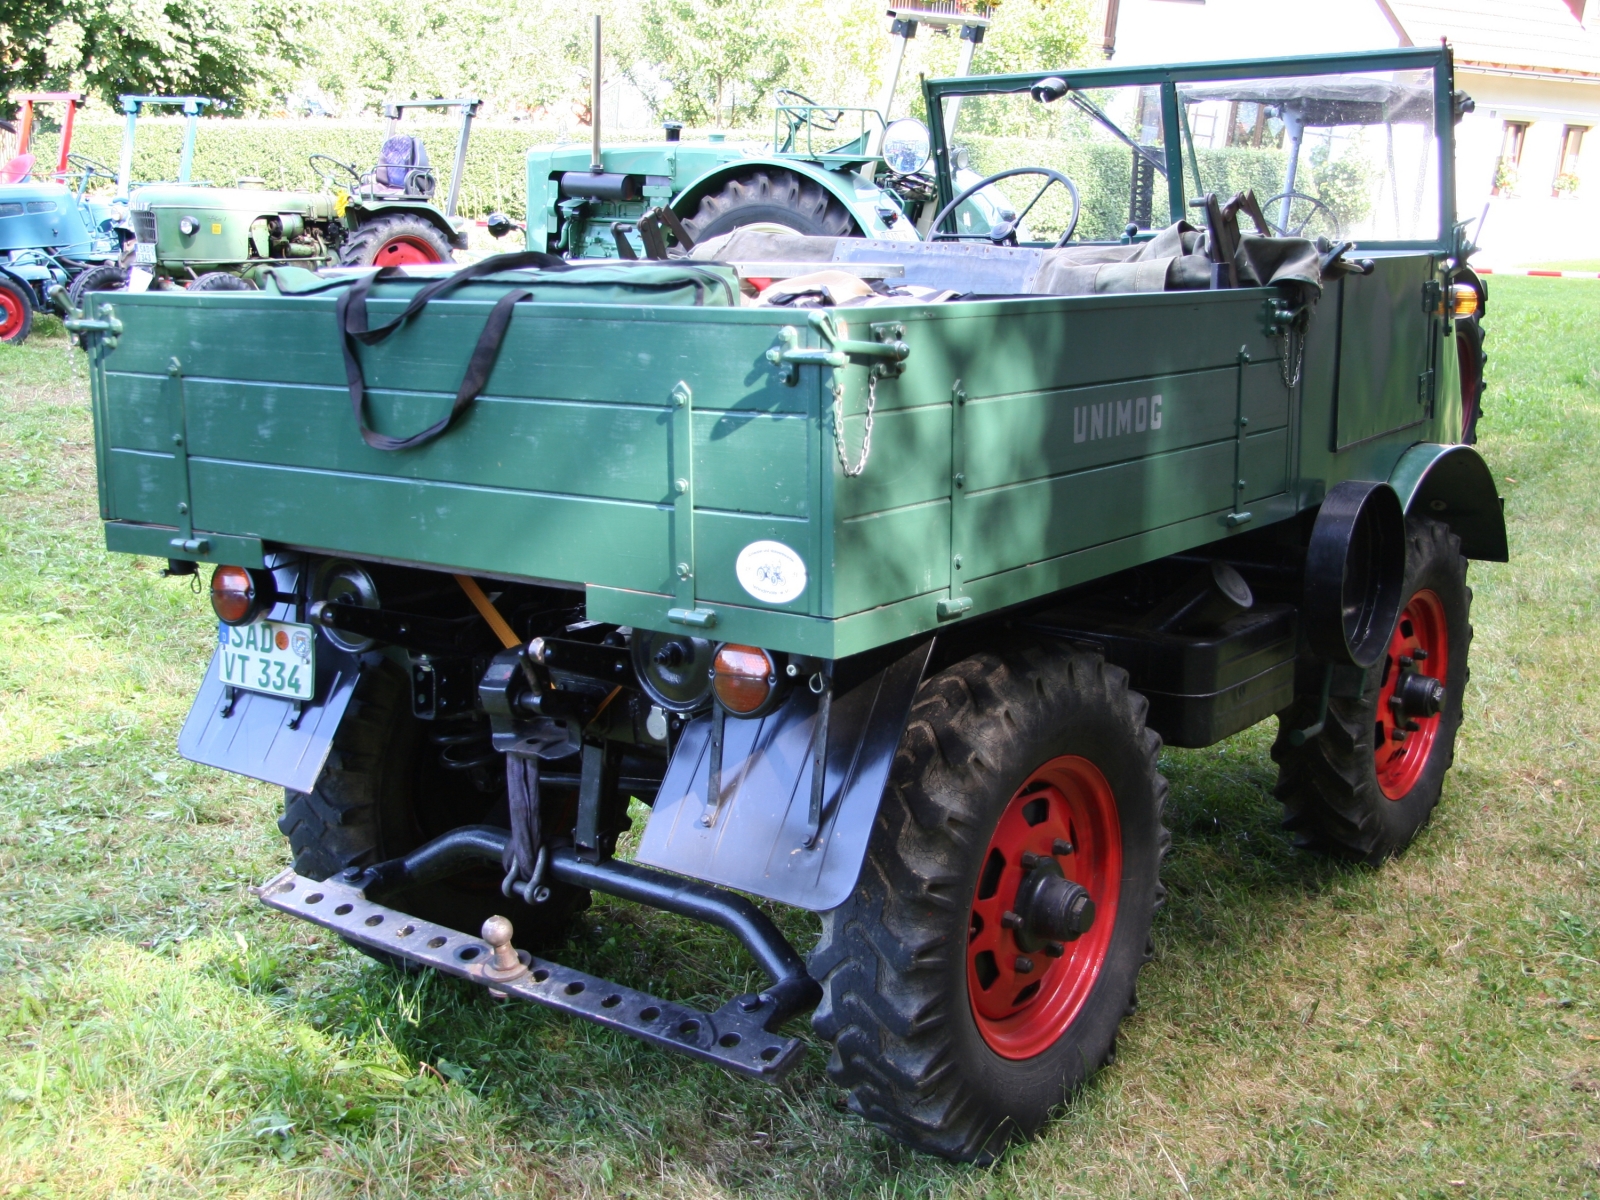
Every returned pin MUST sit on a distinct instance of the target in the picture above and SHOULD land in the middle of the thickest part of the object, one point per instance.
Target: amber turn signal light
(1465, 300)
(239, 596)
(743, 678)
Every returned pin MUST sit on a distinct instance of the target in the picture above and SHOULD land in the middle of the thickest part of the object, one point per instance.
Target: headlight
(188, 226)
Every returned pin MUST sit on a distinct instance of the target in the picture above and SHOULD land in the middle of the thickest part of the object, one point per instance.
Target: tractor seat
(18, 169)
(403, 169)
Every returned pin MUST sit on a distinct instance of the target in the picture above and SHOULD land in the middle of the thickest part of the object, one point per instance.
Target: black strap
(521, 854)
(351, 315)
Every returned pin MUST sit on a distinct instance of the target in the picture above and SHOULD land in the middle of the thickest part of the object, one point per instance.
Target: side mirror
(499, 225)
(906, 146)
(1048, 91)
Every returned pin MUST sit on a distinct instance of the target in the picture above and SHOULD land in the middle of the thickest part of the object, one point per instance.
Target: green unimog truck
(879, 570)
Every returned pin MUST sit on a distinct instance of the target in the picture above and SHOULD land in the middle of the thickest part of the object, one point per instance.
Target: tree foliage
(237, 51)
(702, 61)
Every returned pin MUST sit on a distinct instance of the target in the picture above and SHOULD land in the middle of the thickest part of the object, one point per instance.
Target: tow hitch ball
(1416, 696)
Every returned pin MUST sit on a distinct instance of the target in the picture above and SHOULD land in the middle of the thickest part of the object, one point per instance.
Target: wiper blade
(1092, 110)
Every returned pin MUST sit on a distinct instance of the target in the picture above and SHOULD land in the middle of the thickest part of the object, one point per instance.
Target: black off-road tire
(108, 277)
(366, 808)
(369, 245)
(221, 281)
(1331, 794)
(892, 958)
(771, 195)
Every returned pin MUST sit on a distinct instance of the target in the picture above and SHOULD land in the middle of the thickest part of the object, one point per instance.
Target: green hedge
(226, 150)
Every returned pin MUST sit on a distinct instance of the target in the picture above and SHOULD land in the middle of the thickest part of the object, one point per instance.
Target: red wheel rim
(405, 250)
(12, 314)
(1021, 1014)
(1422, 636)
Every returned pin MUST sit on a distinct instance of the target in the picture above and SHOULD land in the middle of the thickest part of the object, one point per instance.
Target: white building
(1532, 66)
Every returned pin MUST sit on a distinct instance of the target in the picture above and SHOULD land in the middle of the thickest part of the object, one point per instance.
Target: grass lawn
(1430, 1029)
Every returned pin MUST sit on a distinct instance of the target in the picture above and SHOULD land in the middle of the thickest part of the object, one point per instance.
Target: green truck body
(882, 599)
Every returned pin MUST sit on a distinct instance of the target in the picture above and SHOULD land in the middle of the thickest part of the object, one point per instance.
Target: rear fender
(370, 210)
(860, 197)
(1454, 484)
(757, 841)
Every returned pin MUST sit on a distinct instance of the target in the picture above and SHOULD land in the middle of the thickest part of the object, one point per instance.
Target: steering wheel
(94, 169)
(821, 119)
(327, 176)
(1005, 233)
(1308, 216)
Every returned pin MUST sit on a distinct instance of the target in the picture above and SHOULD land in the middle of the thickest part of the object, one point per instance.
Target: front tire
(1356, 789)
(107, 277)
(940, 1035)
(221, 281)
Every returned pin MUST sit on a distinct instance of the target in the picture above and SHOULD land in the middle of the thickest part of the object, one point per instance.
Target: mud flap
(267, 737)
(757, 840)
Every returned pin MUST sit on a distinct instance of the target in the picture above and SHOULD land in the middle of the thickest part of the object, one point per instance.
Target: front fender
(859, 197)
(1454, 484)
(368, 211)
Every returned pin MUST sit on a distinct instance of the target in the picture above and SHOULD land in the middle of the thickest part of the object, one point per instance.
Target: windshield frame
(1438, 59)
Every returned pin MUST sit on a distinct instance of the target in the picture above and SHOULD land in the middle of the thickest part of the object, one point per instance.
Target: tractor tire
(16, 311)
(221, 281)
(944, 1039)
(1354, 790)
(383, 793)
(108, 277)
(398, 240)
(774, 198)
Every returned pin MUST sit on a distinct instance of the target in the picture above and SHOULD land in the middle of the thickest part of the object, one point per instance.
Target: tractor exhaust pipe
(595, 164)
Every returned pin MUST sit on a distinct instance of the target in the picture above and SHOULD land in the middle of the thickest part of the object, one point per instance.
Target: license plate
(275, 657)
(144, 252)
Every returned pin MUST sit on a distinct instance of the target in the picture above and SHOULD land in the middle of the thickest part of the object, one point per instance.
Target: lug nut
(1024, 964)
(1029, 861)
(1055, 949)
(1011, 920)
(1060, 846)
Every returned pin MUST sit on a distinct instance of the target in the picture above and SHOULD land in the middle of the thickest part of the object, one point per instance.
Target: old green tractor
(222, 238)
(830, 170)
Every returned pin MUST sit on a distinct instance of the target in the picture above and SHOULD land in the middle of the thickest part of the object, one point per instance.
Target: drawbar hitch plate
(733, 1037)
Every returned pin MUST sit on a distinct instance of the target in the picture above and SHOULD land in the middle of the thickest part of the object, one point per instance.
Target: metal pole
(595, 164)
(125, 168)
(903, 32)
(467, 111)
(186, 164)
(66, 138)
(969, 46)
(1294, 121)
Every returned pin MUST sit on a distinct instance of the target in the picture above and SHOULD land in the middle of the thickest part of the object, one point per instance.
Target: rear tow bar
(734, 1037)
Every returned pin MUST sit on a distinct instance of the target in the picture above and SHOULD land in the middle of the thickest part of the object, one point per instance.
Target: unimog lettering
(1115, 418)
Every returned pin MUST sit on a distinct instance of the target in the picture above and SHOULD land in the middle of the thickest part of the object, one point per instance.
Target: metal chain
(1288, 339)
(838, 426)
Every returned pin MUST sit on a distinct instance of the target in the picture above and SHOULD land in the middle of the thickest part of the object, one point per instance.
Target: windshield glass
(1350, 156)
(1119, 175)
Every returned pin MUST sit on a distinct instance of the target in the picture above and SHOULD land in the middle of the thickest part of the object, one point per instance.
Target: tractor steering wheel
(823, 120)
(90, 167)
(1005, 233)
(326, 176)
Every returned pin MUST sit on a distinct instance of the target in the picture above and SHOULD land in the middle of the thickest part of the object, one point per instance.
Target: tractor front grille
(144, 225)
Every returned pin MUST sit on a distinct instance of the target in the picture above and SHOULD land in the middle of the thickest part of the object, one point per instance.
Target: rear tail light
(745, 679)
(1465, 298)
(239, 596)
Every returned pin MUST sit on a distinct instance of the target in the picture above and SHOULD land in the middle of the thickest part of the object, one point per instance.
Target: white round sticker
(771, 572)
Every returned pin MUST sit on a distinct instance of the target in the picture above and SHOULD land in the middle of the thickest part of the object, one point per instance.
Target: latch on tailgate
(886, 352)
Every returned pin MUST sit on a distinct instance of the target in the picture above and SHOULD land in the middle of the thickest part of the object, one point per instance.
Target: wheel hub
(1050, 909)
